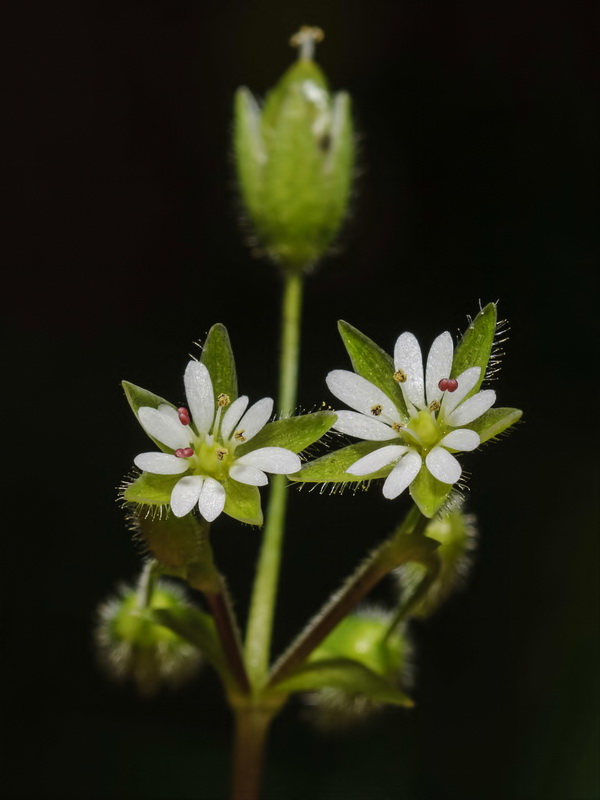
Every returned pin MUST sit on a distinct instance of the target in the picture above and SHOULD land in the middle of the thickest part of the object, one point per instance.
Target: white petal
(363, 427)
(272, 459)
(439, 365)
(472, 408)
(408, 358)
(377, 459)
(200, 395)
(249, 475)
(360, 394)
(254, 419)
(164, 427)
(402, 475)
(466, 381)
(443, 465)
(212, 499)
(461, 439)
(160, 463)
(232, 416)
(185, 494)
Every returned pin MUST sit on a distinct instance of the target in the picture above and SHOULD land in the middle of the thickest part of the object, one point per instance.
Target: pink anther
(184, 452)
(448, 385)
(184, 415)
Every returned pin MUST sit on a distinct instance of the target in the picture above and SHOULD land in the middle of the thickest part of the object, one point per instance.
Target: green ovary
(426, 429)
(212, 460)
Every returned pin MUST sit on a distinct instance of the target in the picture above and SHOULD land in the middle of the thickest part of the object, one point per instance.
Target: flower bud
(132, 646)
(295, 160)
(362, 637)
(456, 533)
(175, 542)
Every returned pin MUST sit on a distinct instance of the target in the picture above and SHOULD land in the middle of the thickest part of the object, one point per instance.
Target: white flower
(437, 408)
(204, 440)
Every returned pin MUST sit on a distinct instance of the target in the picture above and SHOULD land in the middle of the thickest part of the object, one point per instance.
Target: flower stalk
(262, 608)
(389, 555)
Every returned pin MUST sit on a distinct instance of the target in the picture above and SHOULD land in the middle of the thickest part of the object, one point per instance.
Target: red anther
(448, 385)
(184, 415)
(184, 452)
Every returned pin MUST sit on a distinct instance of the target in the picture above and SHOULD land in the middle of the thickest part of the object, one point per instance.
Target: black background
(478, 136)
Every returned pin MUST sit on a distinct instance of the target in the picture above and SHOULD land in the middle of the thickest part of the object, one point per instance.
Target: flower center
(424, 429)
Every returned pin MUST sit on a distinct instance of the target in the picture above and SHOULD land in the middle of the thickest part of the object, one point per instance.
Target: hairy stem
(382, 561)
(262, 607)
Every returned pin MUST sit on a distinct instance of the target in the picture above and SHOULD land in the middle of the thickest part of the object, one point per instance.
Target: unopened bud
(456, 532)
(295, 160)
(363, 637)
(132, 647)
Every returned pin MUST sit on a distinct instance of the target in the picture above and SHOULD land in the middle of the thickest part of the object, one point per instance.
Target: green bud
(295, 160)
(361, 637)
(131, 646)
(456, 533)
(175, 542)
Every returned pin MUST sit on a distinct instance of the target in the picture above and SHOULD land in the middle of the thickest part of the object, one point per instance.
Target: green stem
(387, 557)
(147, 583)
(262, 607)
(251, 729)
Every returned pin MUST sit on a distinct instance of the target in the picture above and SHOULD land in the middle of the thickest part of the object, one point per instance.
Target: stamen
(223, 400)
(434, 405)
(305, 40)
(184, 452)
(184, 415)
(448, 385)
(397, 426)
(376, 410)
(400, 376)
(239, 435)
(221, 453)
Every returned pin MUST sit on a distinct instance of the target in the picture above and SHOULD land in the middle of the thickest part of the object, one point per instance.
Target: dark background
(478, 153)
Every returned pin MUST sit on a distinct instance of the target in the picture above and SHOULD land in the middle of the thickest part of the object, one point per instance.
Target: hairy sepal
(428, 493)
(475, 347)
(494, 422)
(331, 468)
(217, 357)
(293, 433)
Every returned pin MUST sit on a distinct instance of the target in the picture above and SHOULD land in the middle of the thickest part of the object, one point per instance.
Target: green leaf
(475, 347)
(293, 433)
(429, 493)
(151, 490)
(331, 468)
(217, 357)
(372, 363)
(138, 397)
(348, 676)
(242, 502)
(197, 628)
(494, 422)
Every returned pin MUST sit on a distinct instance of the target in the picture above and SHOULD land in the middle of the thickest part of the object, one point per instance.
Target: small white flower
(204, 440)
(436, 406)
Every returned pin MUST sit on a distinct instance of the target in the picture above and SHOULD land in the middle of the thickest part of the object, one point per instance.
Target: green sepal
(494, 422)
(150, 489)
(428, 493)
(198, 629)
(339, 161)
(175, 542)
(249, 149)
(331, 468)
(217, 357)
(372, 363)
(293, 79)
(242, 502)
(138, 397)
(475, 347)
(347, 675)
(293, 433)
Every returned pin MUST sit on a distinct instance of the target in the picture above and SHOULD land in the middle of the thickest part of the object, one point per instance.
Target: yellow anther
(400, 376)
(376, 410)
(223, 400)
(221, 453)
(239, 436)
